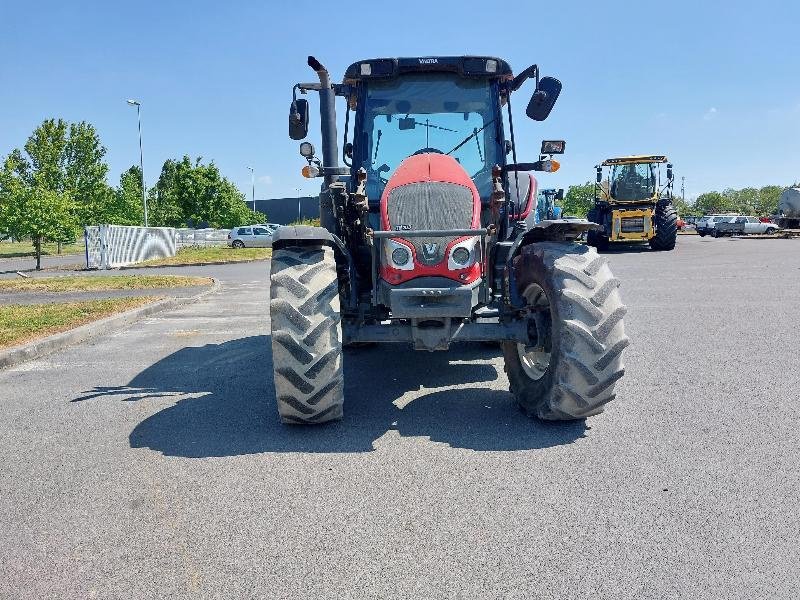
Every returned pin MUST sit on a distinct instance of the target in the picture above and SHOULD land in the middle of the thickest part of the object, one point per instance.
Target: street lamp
(138, 106)
(253, 183)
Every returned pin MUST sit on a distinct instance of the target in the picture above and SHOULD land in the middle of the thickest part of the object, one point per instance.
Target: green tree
(578, 200)
(768, 197)
(713, 202)
(39, 214)
(68, 158)
(85, 173)
(125, 205)
(193, 194)
(46, 148)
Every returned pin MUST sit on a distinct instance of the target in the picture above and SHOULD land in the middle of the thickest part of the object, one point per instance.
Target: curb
(57, 341)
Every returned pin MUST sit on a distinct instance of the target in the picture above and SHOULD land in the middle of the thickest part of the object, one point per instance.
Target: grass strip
(21, 323)
(209, 255)
(86, 283)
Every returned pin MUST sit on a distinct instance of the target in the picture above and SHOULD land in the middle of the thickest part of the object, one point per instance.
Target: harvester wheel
(306, 335)
(666, 222)
(597, 239)
(575, 318)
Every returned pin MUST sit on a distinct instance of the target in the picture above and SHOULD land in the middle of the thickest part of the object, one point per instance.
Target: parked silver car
(252, 236)
(705, 224)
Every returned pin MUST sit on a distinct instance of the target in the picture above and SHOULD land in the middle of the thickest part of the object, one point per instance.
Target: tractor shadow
(230, 408)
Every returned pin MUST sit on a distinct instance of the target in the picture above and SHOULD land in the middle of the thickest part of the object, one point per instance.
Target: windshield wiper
(430, 126)
(377, 145)
(470, 136)
(478, 142)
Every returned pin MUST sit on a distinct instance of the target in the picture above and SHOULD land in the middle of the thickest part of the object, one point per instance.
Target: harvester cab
(429, 236)
(633, 204)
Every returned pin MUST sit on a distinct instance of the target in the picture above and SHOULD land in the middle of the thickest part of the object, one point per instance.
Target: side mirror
(507, 147)
(348, 150)
(560, 194)
(298, 119)
(599, 175)
(669, 172)
(543, 99)
(553, 147)
(407, 123)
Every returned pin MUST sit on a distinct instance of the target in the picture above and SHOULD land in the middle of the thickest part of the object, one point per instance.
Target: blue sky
(714, 85)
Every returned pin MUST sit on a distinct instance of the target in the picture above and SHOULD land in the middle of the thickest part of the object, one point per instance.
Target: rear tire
(306, 335)
(586, 333)
(666, 222)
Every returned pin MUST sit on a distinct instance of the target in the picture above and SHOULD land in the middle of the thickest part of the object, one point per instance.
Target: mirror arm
(533, 70)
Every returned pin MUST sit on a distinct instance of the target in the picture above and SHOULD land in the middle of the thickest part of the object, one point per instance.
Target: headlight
(397, 255)
(400, 256)
(461, 255)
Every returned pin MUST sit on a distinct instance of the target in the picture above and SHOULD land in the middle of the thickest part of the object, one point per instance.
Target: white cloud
(710, 114)
(265, 179)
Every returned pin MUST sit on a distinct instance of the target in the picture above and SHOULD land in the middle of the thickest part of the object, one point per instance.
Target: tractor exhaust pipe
(327, 117)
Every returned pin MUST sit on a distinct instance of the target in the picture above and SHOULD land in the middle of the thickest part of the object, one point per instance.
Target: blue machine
(546, 208)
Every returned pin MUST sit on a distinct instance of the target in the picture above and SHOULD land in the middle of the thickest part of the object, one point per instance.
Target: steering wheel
(427, 150)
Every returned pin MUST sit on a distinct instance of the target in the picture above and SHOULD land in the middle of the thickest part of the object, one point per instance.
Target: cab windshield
(633, 182)
(429, 113)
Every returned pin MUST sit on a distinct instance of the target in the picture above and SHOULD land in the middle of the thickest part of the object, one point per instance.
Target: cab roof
(636, 159)
(489, 67)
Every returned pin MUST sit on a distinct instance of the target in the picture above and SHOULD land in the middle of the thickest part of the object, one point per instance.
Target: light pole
(253, 184)
(138, 106)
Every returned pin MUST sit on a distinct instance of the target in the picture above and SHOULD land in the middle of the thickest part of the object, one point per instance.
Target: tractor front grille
(429, 205)
(632, 225)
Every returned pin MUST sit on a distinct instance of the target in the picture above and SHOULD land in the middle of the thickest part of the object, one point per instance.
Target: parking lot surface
(150, 463)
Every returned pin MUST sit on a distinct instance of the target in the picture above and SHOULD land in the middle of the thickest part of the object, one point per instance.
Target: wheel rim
(535, 359)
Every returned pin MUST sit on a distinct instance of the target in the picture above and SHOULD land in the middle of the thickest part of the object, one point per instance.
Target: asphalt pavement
(151, 463)
(27, 264)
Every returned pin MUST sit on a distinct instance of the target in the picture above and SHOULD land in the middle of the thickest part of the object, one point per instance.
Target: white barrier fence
(110, 246)
(201, 237)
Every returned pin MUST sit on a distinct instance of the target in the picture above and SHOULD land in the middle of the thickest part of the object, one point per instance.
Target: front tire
(238, 244)
(306, 335)
(577, 316)
(666, 222)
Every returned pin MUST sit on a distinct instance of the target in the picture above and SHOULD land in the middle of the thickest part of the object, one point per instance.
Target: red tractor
(429, 237)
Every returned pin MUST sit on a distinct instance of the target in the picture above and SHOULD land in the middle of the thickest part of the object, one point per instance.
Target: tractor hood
(430, 191)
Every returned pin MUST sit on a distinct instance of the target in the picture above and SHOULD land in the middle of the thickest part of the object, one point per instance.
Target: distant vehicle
(788, 215)
(705, 224)
(743, 225)
(252, 236)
